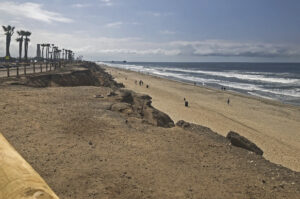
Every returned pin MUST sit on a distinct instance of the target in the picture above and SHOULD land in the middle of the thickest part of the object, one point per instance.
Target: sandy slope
(83, 148)
(271, 125)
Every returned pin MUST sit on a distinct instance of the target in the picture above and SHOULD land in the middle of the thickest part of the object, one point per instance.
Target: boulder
(162, 119)
(240, 141)
(126, 96)
(183, 124)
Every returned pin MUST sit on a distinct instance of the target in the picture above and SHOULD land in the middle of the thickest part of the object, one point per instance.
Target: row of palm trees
(56, 53)
(23, 36)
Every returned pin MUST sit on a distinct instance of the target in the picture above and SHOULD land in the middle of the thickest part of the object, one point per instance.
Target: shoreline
(260, 120)
(232, 92)
(259, 88)
(267, 100)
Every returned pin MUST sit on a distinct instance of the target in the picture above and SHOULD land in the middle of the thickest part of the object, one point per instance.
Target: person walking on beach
(186, 103)
(228, 101)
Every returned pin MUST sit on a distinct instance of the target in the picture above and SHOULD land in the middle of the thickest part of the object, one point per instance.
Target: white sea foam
(258, 95)
(238, 75)
(285, 92)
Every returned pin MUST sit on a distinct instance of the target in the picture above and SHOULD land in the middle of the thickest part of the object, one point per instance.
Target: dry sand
(273, 126)
(84, 148)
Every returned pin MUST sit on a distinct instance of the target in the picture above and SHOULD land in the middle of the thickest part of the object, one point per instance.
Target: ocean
(278, 81)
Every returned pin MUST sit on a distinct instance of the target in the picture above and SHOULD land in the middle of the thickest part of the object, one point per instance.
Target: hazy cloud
(114, 24)
(157, 51)
(81, 5)
(229, 48)
(167, 32)
(32, 11)
(157, 14)
(118, 24)
(107, 2)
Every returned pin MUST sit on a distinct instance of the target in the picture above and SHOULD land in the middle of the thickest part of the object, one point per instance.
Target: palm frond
(4, 28)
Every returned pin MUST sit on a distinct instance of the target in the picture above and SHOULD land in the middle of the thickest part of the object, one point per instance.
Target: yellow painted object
(18, 180)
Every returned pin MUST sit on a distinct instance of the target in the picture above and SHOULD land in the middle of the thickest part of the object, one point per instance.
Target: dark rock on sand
(240, 141)
(111, 94)
(158, 118)
(126, 96)
(139, 106)
(202, 130)
(183, 124)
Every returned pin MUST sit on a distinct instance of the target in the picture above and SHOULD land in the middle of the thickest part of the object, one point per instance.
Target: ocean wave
(185, 75)
(285, 92)
(258, 95)
(238, 75)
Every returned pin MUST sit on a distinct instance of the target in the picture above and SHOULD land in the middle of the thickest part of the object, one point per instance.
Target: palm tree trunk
(47, 53)
(42, 52)
(8, 38)
(20, 49)
(25, 49)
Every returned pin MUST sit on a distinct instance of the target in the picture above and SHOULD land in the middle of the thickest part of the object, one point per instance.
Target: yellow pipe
(18, 180)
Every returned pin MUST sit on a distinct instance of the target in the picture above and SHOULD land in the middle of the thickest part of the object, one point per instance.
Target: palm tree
(63, 53)
(43, 46)
(20, 40)
(47, 50)
(58, 53)
(9, 31)
(27, 40)
(55, 52)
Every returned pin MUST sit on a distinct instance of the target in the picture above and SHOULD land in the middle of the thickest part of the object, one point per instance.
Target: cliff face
(100, 141)
(88, 74)
(84, 74)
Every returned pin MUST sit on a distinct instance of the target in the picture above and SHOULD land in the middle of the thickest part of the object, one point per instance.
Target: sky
(160, 30)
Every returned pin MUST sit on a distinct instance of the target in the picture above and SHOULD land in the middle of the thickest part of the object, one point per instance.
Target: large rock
(139, 105)
(126, 96)
(240, 141)
(157, 118)
(183, 124)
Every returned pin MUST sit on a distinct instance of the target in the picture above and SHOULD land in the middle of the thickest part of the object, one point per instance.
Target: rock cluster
(138, 105)
(240, 141)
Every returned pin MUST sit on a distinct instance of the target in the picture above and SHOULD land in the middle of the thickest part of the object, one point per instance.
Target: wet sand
(273, 126)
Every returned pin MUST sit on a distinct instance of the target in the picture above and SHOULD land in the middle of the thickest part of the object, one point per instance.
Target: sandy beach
(89, 138)
(273, 126)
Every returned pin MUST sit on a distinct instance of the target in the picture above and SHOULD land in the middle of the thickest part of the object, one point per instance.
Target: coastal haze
(157, 99)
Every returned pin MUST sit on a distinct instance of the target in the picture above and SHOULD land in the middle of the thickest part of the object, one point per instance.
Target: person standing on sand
(228, 101)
